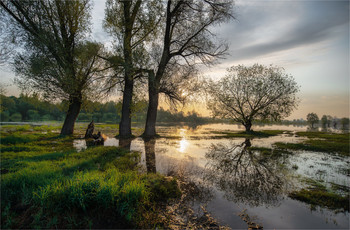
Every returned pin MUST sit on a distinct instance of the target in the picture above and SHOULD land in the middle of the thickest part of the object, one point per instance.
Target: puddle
(321, 167)
(237, 178)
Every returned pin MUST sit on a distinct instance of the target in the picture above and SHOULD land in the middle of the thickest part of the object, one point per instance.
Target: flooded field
(245, 181)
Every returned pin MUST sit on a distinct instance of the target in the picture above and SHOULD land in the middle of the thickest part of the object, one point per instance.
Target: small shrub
(163, 188)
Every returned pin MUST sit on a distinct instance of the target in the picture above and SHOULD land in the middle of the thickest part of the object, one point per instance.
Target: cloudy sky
(309, 39)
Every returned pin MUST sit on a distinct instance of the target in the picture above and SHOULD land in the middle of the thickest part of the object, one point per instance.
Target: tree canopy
(255, 92)
(187, 40)
(57, 60)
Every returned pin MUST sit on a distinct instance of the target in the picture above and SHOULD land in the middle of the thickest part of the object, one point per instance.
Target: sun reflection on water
(183, 144)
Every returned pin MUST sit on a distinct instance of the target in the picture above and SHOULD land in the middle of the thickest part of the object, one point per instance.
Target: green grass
(322, 198)
(320, 142)
(317, 194)
(22, 128)
(325, 135)
(18, 137)
(258, 134)
(46, 183)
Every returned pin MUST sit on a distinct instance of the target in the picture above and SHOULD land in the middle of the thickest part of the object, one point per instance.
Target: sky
(309, 39)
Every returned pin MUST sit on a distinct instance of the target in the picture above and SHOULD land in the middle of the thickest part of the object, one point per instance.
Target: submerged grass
(46, 183)
(320, 142)
(268, 152)
(317, 194)
(322, 198)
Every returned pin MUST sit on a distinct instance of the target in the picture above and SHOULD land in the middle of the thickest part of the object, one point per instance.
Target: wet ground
(244, 178)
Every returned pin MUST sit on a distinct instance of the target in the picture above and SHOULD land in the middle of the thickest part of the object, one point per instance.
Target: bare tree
(186, 40)
(56, 60)
(256, 92)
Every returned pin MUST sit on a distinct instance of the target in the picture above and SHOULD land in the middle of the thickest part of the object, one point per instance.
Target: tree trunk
(125, 122)
(247, 143)
(248, 126)
(154, 80)
(72, 114)
(125, 143)
(150, 128)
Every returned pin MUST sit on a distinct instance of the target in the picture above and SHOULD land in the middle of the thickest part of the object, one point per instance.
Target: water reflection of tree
(150, 155)
(125, 143)
(187, 172)
(245, 174)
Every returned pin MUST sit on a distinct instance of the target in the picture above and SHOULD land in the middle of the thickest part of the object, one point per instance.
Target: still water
(236, 177)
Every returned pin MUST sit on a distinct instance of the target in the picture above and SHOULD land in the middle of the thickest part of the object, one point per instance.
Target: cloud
(263, 28)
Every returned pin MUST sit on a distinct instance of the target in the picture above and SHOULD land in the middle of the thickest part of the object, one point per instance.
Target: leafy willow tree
(132, 23)
(312, 119)
(186, 40)
(246, 94)
(57, 60)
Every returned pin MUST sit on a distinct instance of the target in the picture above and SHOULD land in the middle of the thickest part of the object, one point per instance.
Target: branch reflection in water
(246, 174)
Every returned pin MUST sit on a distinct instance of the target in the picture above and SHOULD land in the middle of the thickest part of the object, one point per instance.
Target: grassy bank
(320, 142)
(46, 183)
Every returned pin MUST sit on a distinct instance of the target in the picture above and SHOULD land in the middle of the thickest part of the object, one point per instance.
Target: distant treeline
(29, 108)
(32, 108)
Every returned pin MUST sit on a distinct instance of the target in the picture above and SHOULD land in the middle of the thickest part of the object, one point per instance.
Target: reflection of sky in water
(205, 130)
(186, 154)
(267, 142)
(321, 166)
(183, 143)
